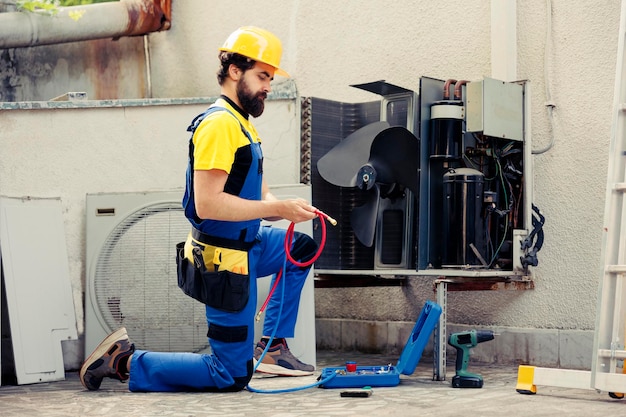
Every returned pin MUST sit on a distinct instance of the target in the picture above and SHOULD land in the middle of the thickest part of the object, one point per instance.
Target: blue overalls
(230, 319)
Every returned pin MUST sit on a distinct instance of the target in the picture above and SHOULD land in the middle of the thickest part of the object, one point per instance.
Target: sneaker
(280, 361)
(106, 359)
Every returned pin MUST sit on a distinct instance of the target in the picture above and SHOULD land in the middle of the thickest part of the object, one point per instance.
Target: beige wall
(330, 45)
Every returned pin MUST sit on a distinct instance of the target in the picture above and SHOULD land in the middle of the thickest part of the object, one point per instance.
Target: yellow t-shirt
(218, 138)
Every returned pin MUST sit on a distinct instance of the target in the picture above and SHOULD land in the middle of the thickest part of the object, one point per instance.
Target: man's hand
(297, 210)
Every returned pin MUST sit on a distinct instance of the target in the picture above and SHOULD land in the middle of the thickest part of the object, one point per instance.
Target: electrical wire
(497, 251)
(550, 105)
(507, 202)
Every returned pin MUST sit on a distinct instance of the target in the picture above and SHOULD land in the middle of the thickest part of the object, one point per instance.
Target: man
(227, 250)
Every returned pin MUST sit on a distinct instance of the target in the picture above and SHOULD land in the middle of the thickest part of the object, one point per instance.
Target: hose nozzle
(327, 217)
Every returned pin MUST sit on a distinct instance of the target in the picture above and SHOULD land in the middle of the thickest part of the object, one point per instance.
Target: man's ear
(235, 72)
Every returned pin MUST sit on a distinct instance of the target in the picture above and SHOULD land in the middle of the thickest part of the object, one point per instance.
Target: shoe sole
(266, 368)
(100, 350)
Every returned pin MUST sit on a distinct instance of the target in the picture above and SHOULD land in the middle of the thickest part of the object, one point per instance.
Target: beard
(251, 103)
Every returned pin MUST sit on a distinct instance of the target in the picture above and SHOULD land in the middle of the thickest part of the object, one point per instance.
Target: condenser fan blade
(363, 218)
(394, 155)
(340, 165)
(394, 159)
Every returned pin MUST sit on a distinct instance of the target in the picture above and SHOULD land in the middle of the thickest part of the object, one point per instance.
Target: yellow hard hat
(258, 44)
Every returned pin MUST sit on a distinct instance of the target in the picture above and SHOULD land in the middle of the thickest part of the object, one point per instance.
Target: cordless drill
(463, 342)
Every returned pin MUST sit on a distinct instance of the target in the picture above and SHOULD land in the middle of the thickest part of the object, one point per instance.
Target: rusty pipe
(81, 23)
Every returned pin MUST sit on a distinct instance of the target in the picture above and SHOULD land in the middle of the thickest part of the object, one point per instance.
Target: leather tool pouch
(220, 288)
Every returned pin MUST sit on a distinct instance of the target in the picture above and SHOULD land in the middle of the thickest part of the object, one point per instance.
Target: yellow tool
(217, 258)
(619, 395)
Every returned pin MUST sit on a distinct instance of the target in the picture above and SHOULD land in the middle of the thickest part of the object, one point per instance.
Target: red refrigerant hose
(288, 239)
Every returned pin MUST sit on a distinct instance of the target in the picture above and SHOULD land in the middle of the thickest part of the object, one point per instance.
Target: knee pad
(227, 334)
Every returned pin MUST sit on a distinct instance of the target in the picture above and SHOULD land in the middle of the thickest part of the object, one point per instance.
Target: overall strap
(196, 122)
(199, 118)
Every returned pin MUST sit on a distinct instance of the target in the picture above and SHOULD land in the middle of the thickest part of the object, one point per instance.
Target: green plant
(47, 6)
(52, 6)
(67, 3)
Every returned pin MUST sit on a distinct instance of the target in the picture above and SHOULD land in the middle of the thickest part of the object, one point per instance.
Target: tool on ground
(353, 375)
(362, 393)
(463, 342)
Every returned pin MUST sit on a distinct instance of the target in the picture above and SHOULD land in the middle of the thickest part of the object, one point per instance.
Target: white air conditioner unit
(131, 275)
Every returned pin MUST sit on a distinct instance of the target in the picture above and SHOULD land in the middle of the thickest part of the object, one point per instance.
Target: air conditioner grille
(136, 286)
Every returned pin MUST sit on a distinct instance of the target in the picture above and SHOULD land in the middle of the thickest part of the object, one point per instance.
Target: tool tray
(388, 375)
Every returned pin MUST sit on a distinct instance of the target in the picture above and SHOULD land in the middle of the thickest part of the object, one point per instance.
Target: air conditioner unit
(440, 184)
(131, 275)
(384, 217)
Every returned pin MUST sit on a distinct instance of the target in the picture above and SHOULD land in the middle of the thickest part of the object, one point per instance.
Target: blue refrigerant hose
(288, 239)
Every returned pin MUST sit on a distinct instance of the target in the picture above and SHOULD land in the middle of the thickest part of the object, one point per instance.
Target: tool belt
(214, 270)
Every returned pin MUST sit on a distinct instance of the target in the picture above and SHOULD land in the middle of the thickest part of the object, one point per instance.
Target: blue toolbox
(353, 376)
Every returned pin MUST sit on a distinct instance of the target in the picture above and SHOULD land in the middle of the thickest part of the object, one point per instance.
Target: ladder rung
(620, 186)
(615, 269)
(608, 353)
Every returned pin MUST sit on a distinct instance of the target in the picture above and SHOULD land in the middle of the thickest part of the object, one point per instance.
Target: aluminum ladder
(607, 371)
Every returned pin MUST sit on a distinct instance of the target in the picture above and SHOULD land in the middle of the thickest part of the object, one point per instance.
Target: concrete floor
(416, 395)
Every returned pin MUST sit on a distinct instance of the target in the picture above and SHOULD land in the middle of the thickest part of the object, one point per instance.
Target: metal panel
(38, 291)
(495, 108)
